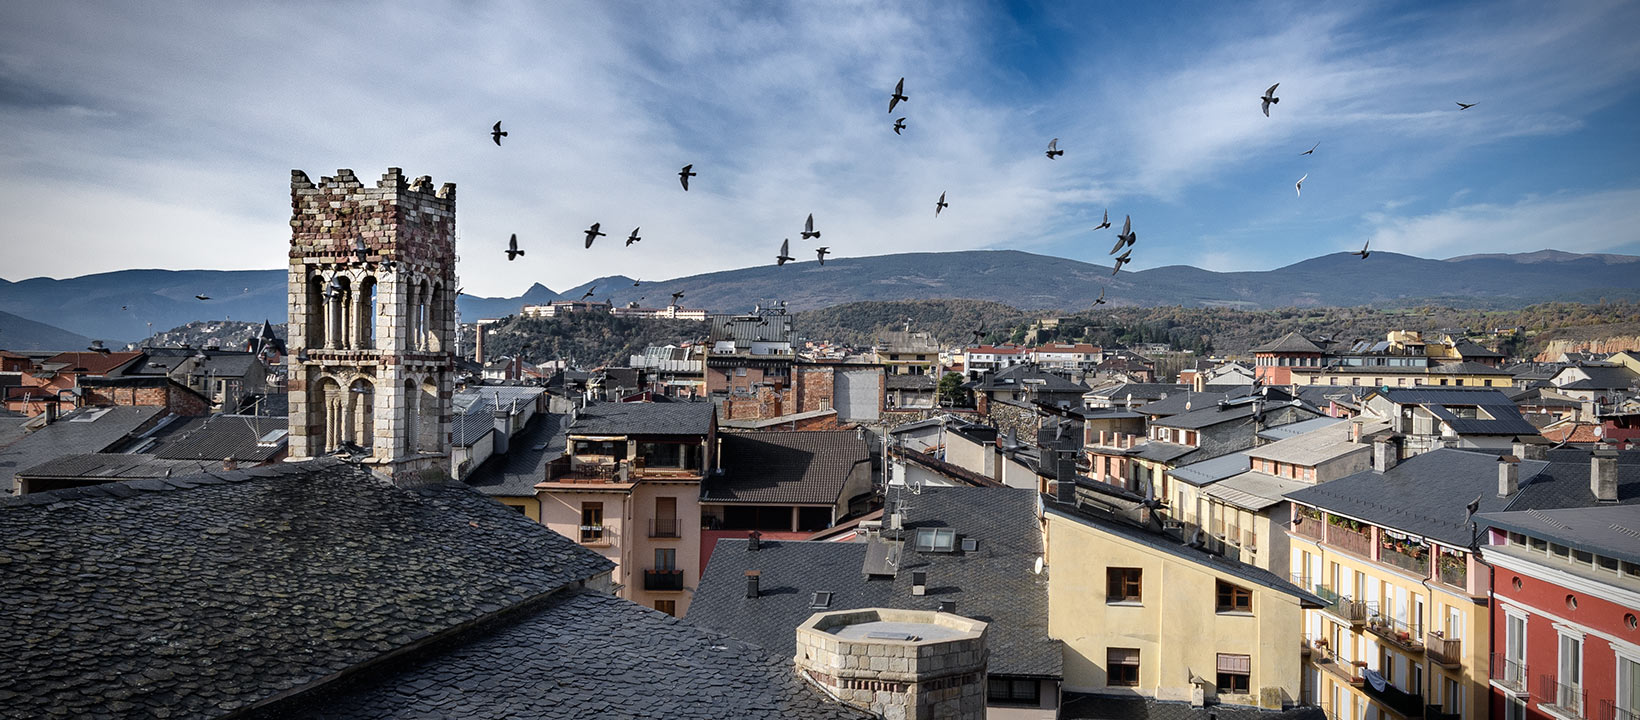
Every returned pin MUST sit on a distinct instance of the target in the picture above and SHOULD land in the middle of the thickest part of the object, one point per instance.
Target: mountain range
(131, 304)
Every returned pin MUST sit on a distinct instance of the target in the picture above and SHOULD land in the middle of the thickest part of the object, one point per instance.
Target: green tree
(951, 391)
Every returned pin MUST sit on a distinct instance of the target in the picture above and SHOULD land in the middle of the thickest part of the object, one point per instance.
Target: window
(1451, 696)
(1122, 667)
(1013, 691)
(1628, 685)
(666, 559)
(820, 600)
(670, 607)
(936, 539)
(1233, 598)
(1235, 673)
(520, 508)
(1122, 585)
(592, 522)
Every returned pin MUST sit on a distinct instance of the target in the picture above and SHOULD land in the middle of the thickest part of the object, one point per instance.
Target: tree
(951, 391)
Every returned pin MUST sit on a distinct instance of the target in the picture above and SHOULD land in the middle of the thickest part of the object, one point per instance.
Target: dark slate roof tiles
(674, 418)
(802, 467)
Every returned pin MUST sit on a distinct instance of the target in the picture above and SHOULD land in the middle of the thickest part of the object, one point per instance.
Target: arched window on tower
(325, 431)
(314, 321)
(419, 313)
(364, 314)
(427, 430)
(435, 319)
(339, 333)
(410, 422)
(362, 409)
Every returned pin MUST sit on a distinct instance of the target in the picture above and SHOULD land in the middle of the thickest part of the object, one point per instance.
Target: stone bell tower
(372, 319)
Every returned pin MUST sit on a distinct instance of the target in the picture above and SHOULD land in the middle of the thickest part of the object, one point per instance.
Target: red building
(1566, 590)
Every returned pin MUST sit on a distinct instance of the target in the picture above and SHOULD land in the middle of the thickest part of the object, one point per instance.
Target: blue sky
(162, 134)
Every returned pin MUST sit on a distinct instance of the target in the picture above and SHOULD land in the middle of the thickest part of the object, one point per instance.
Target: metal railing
(663, 580)
(1408, 636)
(1329, 659)
(1509, 672)
(1565, 698)
(597, 534)
(1455, 574)
(1443, 651)
(1342, 606)
(665, 528)
(1610, 711)
(1412, 562)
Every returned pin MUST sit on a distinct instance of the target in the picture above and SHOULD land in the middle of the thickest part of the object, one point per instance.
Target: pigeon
(785, 255)
(589, 292)
(633, 237)
(512, 248)
(122, 307)
(202, 296)
(1270, 99)
(1465, 106)
(898, 96)
(1299, 186)
(685, 174)
(1121, 260)
(1311, 150)
(593, 234)
(822, 251)
(808, 228)
(636, 283)
(1127, 237)
(940, 204)
(496, 133)
(1053, 149)
(677, 296)
(1364, 252)
(1101, 299)
(979, 333)
(1105, 223)
(899, 124)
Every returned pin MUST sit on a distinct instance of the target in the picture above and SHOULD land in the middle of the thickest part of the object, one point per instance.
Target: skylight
(820, 600)
(936, 539)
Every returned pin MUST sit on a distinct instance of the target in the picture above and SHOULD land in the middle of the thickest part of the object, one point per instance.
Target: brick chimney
(1603, 474)
(1508, 475)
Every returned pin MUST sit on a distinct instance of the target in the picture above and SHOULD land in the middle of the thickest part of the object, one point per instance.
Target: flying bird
(589, 292)
(1121, 260)
(1101, 299)
(979, 333)
(593, 234)
(1053, 149)
(685, 174)
(1311, 150)
(940, 204)
(677, 296)
(822, 251)
(785, 255)
(898, 96)
(808, 228)
(1105, 223)
(496, 133)
(512, 248)
(1270, 99)
(899, 124)
(1465, 106)
(202, 296)
(633, 237)
(636, 283)
(1127, 237)
(1364, 252)
(1299, 186)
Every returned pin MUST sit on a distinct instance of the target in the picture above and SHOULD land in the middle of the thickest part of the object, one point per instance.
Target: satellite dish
(1037, 568)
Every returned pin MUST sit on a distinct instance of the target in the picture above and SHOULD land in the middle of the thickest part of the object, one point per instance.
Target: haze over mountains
(91, 305)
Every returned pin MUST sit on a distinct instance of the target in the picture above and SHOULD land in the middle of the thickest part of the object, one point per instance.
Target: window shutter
(1129, 656)
(1235, 663)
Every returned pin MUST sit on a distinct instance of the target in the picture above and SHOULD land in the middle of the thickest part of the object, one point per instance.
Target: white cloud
(1600, 222)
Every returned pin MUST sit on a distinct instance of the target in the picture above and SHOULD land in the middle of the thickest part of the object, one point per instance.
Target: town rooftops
(1253, 491)
(90, 363)
(743, 330)
(110, 467)
(994, 580)
(1230, 410)
(1468, 367)
(219, 437)
(1282, 432)
(1494, 414)
(1181, 402)
(1028, 377)
(787, 468)
(1318, 446)
(657, 418)
(1121, 393)
(1213, 470)
(1601, 377)
(1290, 343)
(1613, 531)
(515, 472)
(85, 430)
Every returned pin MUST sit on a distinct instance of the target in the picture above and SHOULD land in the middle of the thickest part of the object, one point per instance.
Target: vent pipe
(751, 584)
(754, 540)
(919, 582)
(948, 606)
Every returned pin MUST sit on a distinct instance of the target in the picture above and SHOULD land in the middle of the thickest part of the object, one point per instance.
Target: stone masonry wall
(899, 680)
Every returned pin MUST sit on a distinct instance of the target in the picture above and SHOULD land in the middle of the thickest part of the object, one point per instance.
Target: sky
(162, 134)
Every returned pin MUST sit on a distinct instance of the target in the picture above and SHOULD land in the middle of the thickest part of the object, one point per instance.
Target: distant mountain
(18, 333)
(90, 305)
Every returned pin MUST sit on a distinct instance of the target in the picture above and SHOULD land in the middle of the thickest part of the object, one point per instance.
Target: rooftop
(796, 468)
(1310, 449)
(85, 430)
(1613, 530)
(1290, 343)
(658, 418)
(515, 473)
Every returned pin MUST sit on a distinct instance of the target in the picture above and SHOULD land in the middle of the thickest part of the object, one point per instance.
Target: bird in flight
(1128, 236)
(1105, 223)
(822, 251)
(808, 228)
(1101, 299)
(1465, 106)
(512, 248)
(122, 307)
(496, 133)
(979, 333)
(1270, 99)
(593, 234)
(636, 283)
(677, 296)
(1311, 150)
(1299, 186)
(1121, 260)
(1053, 149)
(589, 292)
(633, 237)
(685, 174)
(899, 124)
(940, 204)
(202, 296)
(785, 255)
(1364, 252)
(898, 96)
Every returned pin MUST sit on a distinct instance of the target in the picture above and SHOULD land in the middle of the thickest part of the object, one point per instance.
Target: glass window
(666, 558)
(670, 607)
(1233, 598)
(1122, 585)
(1016, 691)
(1235, 672)
(592, 522)
(936, 539)
(1122, 667)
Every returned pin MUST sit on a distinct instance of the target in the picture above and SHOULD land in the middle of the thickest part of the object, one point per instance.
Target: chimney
(753, 541)
(1355, 431)
(1065, 477)
(503, 426)
(948, 606)
(1386, 453)
(919, 582)
(1508, 475)
(229, 464)
(51, 412)
(1603, 474)
(1530, 451)
(751, 584)
(478, 344)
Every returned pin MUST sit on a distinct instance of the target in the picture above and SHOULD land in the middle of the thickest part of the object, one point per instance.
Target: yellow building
(1406, 630)
(1464, 374)
(1142, 613)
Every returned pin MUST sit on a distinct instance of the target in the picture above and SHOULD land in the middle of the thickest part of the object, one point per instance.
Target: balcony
(1609, 711)
(1563, 699)
(1340, 535)
(1453, 570)
(1443, 651)
(666, 528)
(1330, 661)
(1309, 523)
(1509, 673)
(663, 580)
(1407, 636)
(564, 470)
(597, 535)
(1411, 557)
(1436, 712)
(1343, 607)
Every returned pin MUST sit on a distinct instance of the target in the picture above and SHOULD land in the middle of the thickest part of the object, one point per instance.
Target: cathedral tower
(372, 318)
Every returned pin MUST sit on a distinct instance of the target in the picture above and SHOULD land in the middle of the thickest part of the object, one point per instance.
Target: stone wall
(815, 385)
(918, 679)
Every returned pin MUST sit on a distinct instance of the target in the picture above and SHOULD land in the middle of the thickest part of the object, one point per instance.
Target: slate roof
(1212, 415)
(909, 382)
(221, 436)
(583, 654)
(11, 426)
(194, 597)
(1160, 451)
(1605, 376)
(1140, 391)
(1175, 404)
(787, 468)
(1443, 396)
(1253, 491)
(1505, 420)
(1290, 343)
(1612, 530)
(1318, 446)
(481, 400)
(515, 473)
(1282, 432)
(1213, 470)
(994, 583)
(111, 467)
(1030, 376)
(468, 428)
(1090, 706)
(672, 418)
(1467, 368)
(80, 431)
